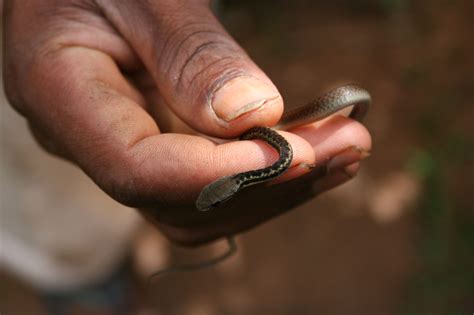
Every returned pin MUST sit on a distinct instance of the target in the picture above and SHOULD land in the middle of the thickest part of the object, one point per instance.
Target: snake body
(226, 187)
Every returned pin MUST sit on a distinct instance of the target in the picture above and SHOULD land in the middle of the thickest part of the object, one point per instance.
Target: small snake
(226, 187)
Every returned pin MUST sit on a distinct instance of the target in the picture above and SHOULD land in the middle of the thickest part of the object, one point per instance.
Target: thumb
(203, 75)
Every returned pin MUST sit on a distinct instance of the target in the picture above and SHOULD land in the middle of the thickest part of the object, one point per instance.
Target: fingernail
(307, 166)
(241, 95)
(351, 170)
(345, 160)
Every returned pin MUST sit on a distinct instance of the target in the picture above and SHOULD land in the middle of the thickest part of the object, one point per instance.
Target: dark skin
(117, 88)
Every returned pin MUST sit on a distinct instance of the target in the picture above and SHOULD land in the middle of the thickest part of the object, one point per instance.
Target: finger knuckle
(200, 55)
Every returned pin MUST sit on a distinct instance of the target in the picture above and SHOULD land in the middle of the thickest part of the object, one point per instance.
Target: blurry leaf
(421, 164)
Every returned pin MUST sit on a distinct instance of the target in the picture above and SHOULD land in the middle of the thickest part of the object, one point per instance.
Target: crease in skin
(197, 51)
(208, 66)
(184, 41)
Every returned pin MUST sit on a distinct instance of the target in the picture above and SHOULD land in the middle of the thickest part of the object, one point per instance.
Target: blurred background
(398, 239)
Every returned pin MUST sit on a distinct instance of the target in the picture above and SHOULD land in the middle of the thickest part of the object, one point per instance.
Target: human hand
(108, 85)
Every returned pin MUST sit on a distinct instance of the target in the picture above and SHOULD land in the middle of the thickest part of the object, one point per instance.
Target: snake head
(217, 192)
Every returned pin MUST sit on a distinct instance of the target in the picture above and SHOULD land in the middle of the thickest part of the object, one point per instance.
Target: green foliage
(444, 283)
